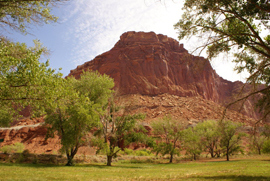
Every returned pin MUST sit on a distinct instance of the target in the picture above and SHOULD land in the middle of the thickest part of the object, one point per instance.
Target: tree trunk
(109, 160)
(212, 154)
(70, 160)
(70, 155)
(171, 158)
(227, 154)
(194, 156)
(218, 153)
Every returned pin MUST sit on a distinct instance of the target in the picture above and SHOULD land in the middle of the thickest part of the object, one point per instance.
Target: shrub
(129, 151)
(16, 148)
(266, 147)
(143, 152)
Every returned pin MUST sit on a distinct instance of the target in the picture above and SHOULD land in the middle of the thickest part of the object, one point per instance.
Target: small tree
(118, 129)
(210, 136)
(76, 110)
(257, 140)
(230, 137)
(192, 142)
(265, 146)
(169, 135)
(257, 143)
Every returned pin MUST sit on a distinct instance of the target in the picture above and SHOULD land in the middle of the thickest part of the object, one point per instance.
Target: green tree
(266, 130)
(18, 14)
(257, 140)
(263, 140)
(23, 79)
(238, 26)
(192, 142)
(168, 133)
(76, 110)
(210, 137)
(257, 143)
(231, 137)
(118, 129)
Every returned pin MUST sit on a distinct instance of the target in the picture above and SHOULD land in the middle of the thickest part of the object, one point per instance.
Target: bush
(129, 151)
(143, 152)
(16, 148)
(266, 147)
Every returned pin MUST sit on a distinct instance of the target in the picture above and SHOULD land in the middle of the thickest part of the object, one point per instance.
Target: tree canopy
(169, 133)
(23, 79)
(118, 128)
(238, 26)
(18, 14)
(230, 137)
(76, 109)
(192, 142)
(210, 137)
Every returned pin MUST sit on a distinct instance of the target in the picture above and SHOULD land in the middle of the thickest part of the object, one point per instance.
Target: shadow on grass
(113, 166)
(222, 161)
(233, 177)
(30, 165)
(266, 160)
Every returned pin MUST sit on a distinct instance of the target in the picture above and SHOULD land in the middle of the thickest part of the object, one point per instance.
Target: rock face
(151, 64)
(32, 134)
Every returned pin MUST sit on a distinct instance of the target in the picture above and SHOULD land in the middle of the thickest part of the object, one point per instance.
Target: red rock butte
(153, 64)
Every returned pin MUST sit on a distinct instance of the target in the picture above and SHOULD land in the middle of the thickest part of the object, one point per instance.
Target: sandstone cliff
(151, 64)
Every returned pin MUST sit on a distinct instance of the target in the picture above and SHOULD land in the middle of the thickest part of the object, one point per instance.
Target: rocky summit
(151, 64)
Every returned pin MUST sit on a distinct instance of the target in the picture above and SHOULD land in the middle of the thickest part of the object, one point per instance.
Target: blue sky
(87, 28)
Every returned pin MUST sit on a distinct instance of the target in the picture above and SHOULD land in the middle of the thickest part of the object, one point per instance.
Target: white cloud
(97, 25)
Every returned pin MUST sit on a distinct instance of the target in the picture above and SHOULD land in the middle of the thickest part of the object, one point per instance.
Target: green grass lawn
(243, 169)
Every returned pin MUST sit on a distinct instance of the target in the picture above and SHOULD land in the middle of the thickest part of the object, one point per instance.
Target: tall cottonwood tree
(76, 110)
(238, 26)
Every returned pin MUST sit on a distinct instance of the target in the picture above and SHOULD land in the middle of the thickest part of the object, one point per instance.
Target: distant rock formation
(151, 64)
